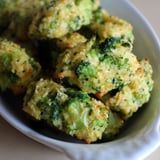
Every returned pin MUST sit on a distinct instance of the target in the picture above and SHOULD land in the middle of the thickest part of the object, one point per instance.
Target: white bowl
(142, 135)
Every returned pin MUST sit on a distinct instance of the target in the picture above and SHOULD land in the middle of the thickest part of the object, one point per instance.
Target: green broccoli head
(17, 69)
(97, 68)
(69, 110)
(50, 22)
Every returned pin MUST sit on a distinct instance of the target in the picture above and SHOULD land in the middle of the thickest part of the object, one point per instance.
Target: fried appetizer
(106, 26)
(55, 47)
(69, 110)
(17, 69)
(134, 95)
(22, 17)
(115, 123)
(97, 69)
(60, 18)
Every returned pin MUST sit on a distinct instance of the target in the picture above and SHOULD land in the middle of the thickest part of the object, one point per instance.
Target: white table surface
(15, 146)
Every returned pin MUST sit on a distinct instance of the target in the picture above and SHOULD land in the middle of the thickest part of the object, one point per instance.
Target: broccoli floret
(69, 110)
(106, 27)
(135, 94)
(94, 72)
(18, 15)
(17, 69)
(50, 22)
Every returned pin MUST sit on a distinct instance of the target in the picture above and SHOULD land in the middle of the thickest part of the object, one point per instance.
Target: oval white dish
(143, 135)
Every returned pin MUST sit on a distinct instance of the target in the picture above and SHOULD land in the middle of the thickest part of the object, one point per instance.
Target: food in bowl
(97, 84)
(17, 68)
(67, 109)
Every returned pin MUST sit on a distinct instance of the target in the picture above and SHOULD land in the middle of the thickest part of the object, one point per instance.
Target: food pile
(75, 65)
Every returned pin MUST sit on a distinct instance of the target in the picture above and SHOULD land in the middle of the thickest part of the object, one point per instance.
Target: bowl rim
(68, 147)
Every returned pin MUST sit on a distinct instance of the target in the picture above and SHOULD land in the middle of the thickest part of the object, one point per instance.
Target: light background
(15, 146)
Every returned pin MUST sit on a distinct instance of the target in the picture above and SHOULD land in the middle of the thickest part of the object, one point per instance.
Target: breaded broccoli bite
(22, 16)
(115, 123)
(106, 26)
(97, 69)
(60, 18)
(53, 48)
(69, 110)
(17, 69)
(134, 95)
